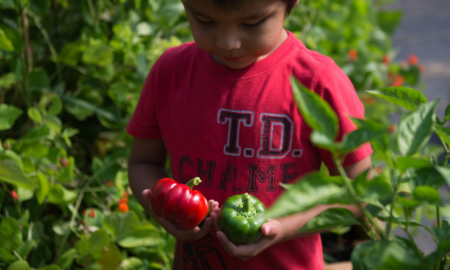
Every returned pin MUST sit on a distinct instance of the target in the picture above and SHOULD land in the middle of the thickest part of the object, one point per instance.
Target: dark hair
(231, 4)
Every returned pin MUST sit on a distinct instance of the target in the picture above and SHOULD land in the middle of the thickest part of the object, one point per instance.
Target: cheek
(202, 38)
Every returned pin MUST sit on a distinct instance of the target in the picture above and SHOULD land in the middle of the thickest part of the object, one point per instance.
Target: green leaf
(447, 113)
(60, 195)
(44, 188)
(19, 265)
(39, 7)
(120, 225)
(67, 258)
(145, 235)
(6, 256)
(389, 20)
(329, 219)
(38, 80)
(427, 176)
(26, 248)
(7, 80)
(10, 234)
(131, 263)
(408, 98)
(50, 267)
(98, 53)
(404, 163)
(11, 173)
(317, 113)
(96, 242)
(415, 129)
(384, 254)
(445, 172)
(313, 189)
(427, 194)
(8, 115)
(35, 115)
(88, 106)
(443, 133)
(111, 257)
(367, 131)
(5, 43)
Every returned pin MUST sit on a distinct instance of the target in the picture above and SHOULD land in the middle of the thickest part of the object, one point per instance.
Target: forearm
(293, 223)
(142, 176)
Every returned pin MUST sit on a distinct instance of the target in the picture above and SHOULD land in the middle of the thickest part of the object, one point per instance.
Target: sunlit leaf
(8, 115)
(317, 113)
(415, 128)
(408, 98)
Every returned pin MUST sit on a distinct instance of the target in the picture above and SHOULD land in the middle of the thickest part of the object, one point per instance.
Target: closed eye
(252, 25)
(203, 21)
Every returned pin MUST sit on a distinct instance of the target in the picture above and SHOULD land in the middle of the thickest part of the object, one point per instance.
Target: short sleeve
(143, 123)
(334, 86)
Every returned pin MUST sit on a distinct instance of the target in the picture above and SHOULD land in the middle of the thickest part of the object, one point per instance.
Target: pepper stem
(247, 203)
(193, 182)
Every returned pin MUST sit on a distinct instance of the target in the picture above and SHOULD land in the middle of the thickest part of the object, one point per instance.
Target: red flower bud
(352, 55)
(92, 213)
(413, 59)
(14, 195)
(398, 81)
(378, 169)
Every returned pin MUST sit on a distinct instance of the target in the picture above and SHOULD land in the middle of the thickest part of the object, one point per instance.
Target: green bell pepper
(241, 218)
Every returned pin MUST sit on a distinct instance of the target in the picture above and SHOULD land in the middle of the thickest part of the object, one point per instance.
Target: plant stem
(391, 214)
(438, 216)
(352, 191)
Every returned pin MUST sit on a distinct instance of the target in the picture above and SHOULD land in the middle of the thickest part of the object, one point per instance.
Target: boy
(222, 108)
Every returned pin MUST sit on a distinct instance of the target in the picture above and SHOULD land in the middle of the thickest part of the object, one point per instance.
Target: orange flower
(124, 200)
(14, 195)
(413, 59)
(352, 55)
(398, 81)
(123, 207)
(110, 183)
(378, 169)
(386, 59)
(392, 128)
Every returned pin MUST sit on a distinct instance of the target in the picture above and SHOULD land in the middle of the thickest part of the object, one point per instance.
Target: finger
(243, 252)
(214, 218)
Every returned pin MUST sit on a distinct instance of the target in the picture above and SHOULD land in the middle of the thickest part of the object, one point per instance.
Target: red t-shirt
(241, 131)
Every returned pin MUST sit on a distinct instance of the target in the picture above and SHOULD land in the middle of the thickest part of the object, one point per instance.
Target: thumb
(270, 228)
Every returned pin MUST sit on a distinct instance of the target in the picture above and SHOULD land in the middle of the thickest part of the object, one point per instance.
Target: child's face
(239, 37)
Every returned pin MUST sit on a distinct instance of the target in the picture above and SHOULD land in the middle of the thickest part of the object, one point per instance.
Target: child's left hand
(272, 233)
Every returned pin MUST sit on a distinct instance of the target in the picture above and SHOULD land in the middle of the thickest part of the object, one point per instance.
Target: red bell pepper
(179, 203)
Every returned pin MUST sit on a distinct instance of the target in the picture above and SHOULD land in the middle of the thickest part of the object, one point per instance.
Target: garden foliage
(70, 76)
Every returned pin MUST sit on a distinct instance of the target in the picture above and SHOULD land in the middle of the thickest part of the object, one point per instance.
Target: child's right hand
(182, 234)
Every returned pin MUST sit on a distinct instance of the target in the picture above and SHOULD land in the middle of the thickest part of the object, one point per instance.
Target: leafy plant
(409, 181)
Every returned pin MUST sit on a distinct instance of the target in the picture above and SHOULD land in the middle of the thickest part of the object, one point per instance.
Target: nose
(228, 40)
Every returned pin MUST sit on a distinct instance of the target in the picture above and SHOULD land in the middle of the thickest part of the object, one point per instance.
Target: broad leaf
(311, 190)
(367, 131)
(384, 254)
(329, 219)
(408, 98)
(317, 113)
(415, 128)
(427, 194)
(10, 234)
(8, 115)
(10, 172)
